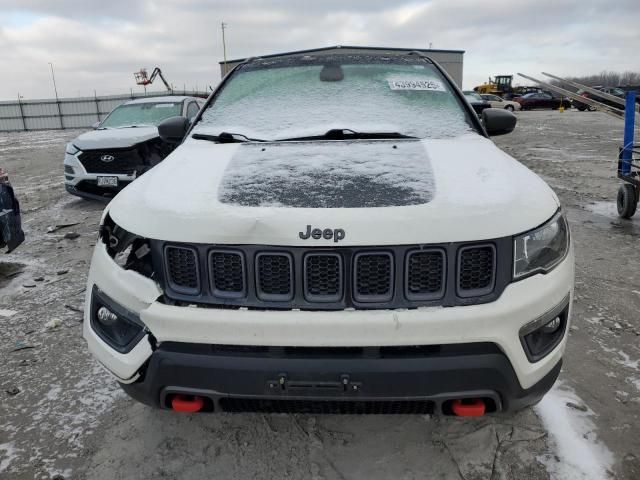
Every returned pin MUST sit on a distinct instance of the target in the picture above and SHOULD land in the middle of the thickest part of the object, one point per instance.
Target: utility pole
(53, 77)
(224, 47)
(55, 89)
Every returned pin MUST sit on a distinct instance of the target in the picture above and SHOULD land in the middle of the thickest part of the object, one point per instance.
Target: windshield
(139, 114)
(273, 100)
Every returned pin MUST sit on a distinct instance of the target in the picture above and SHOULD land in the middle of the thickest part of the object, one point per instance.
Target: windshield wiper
(226, 137)
(348, 134)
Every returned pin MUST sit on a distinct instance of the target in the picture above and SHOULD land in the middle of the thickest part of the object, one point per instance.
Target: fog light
(541, 336)
(120, 328)
(552, 326)
(107, 317)
(69, 169)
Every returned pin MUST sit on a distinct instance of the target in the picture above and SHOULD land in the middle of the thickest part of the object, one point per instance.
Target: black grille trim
(264, 287)
(473, 288)
(361, 284)
(207, 297)
(125, 162)
(190, 286)
(224, 287)
(311, 286)
(416, 291)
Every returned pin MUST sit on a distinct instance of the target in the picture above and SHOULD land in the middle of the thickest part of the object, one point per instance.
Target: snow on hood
(460, 189)
(114, 138)
(328, 175)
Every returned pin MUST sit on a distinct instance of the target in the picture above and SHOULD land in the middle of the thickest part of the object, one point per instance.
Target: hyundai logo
(107, 158)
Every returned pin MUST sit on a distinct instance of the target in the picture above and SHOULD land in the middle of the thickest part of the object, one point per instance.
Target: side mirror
(95, 125)
(498, 121)
(173, 130)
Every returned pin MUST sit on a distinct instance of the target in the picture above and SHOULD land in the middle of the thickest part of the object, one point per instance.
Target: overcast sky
(99, 44)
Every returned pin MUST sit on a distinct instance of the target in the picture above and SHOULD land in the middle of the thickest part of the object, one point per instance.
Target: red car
(542, 100)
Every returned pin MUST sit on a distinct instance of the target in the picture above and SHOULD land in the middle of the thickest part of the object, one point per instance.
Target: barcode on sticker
(416, 85)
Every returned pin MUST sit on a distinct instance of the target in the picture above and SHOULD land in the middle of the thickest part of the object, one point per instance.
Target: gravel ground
(61, 415)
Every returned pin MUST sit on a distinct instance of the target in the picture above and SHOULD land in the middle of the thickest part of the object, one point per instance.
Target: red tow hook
(468, 407)
(187, 403)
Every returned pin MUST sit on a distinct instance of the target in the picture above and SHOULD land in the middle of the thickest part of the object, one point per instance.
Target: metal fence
(61, 113)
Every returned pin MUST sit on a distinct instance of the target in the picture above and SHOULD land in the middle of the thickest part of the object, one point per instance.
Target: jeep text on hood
(334, 234)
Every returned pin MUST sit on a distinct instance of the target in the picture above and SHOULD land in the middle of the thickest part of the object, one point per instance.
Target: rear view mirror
(498, 121)
(173, 130)
(95, 125)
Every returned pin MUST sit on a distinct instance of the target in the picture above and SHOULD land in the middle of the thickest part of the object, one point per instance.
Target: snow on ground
(8, 453)
(578, 453)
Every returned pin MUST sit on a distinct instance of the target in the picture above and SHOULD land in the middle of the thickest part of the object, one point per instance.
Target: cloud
(98, 45)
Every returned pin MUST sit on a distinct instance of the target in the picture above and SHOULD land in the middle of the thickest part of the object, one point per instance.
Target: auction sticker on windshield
(415, 84)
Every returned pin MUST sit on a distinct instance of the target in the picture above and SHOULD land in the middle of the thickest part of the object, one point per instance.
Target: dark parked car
(615, 91)
(542, 100)
(11, 234)
(477, 102)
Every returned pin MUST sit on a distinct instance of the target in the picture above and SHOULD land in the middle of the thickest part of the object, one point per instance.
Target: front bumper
(77, 181)
(508, 373)
(331, 381)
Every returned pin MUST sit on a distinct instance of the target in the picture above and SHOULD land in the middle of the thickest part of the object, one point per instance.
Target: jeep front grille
(425, 274)
(227, 273)
(274, 276)
(262, 277)
(125, 162)
(476, 270)
(323, 277)
(373, 277)
(182, 269)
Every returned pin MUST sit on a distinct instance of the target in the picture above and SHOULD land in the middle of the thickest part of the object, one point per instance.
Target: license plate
(107, 181)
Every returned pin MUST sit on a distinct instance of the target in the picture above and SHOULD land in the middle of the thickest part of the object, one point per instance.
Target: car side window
(192, 110)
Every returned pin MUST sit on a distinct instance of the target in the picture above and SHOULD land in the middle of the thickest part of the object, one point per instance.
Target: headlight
(71, 149)
(541, 249)
(128, 250)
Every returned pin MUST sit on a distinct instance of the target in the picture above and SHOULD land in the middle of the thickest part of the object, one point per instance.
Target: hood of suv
(379, 192)
(114, 138)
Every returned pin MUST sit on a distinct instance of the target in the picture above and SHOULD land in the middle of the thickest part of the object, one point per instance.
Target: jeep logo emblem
(107, 158)
(337, 234)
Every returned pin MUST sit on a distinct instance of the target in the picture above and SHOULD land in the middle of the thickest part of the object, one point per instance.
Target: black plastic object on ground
(11, 234)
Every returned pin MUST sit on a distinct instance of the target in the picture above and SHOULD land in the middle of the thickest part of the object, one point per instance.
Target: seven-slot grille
(307, 278)
(476, 266)
(124, 162)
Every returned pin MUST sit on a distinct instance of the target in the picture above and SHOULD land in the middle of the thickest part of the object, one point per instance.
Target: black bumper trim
(185, 368)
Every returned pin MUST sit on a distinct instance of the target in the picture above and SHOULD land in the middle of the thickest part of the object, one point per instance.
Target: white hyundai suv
(100, 163)
(335, 234)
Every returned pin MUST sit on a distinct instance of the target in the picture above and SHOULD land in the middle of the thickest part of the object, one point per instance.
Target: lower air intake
(392, 407)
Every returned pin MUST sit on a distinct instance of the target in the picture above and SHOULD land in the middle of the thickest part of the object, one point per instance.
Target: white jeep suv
(335, 233)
